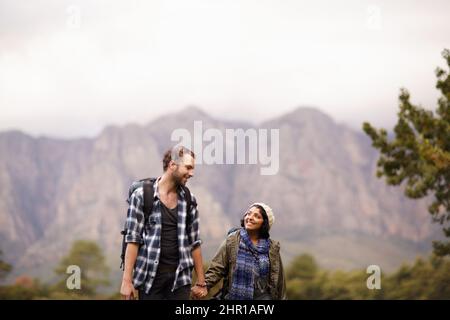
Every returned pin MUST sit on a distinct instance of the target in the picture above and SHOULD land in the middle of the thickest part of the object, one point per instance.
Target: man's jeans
(162, 286)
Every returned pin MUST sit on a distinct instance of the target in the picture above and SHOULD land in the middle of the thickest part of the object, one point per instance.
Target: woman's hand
(199, 292)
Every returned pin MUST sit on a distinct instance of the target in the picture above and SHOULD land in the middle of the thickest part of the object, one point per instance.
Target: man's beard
(178, 179)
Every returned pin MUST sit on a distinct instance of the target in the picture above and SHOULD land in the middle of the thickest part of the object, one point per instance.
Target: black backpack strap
(148, 198)
(233, 229)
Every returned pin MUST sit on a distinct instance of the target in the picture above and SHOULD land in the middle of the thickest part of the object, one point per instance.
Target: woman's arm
(281, 281)
(219, 266)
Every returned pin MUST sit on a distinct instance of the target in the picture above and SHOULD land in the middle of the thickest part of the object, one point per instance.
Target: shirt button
(156, 262)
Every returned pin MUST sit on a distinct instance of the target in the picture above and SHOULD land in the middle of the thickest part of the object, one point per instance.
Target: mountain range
(325, 196)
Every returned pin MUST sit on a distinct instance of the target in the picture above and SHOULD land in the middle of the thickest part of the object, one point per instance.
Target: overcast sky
(68, 68)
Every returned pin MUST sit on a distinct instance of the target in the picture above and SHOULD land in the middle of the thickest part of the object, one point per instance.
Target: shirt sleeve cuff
(196, 244)
(133, 238)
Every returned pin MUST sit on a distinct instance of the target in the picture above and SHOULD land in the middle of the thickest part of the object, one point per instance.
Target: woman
(249, 261)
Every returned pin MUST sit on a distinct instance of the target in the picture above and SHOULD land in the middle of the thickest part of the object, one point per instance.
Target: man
(160, 256)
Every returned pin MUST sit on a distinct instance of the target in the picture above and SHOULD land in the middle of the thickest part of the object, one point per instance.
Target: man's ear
(172, 164)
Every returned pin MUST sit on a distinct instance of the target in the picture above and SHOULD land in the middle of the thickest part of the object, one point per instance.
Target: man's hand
(127, 290)
(199, 292)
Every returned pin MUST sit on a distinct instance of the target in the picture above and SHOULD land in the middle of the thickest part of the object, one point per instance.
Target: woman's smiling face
(253, 219)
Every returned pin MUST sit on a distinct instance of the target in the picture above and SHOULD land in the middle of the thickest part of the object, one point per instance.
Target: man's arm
(133, 238)
(193, 233)
(127, 288)
(198, 266)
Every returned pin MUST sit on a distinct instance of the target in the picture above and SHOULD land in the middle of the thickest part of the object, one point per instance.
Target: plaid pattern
(149, 238)
(252, 261)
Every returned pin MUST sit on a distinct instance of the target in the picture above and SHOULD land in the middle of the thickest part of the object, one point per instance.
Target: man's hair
(175, 154)
(264, 231)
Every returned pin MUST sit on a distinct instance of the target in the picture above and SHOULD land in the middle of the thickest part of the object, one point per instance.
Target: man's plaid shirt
(149, 238)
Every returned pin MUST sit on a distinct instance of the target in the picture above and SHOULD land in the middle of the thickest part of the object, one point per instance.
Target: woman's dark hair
(264, 231)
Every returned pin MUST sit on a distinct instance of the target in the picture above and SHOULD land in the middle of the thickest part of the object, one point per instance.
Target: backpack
(147, 185)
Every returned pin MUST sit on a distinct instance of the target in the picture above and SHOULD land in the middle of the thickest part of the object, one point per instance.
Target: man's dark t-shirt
(169, 237)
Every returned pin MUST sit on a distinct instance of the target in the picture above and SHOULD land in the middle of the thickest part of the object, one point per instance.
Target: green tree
(303, 267)
(24, 288)
(304, 279)
(5, 268)
(88, 257)
(419, 154)
(346, 285)
(425, 279)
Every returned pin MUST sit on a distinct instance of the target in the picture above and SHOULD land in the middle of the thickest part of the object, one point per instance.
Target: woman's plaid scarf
(252, 260)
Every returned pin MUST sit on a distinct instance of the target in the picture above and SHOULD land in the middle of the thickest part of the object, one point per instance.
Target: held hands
(199, 291)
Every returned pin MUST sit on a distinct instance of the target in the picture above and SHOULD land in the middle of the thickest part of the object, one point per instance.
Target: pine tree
(5, 268)
(94, 272)
(419, 153)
